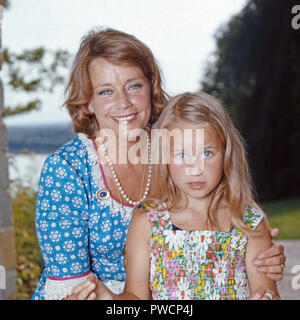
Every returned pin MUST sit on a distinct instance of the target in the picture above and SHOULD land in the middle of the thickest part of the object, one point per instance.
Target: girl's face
(200, 178)
(121, 95)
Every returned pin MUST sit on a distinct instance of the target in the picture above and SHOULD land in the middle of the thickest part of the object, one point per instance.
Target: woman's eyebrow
(98, 85)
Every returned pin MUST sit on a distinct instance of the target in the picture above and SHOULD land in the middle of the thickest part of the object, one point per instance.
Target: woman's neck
(129, 151)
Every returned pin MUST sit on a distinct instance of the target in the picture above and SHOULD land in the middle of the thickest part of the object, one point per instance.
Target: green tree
(256, 74)
(33, 71)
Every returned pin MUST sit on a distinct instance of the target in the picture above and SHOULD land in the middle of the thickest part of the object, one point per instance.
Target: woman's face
(121, 95)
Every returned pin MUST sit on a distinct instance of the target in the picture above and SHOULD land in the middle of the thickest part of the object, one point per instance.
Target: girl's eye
(180, 155)
(105, 92)
(207, 154)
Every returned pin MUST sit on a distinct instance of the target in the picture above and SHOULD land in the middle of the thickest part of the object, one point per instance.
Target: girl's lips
(196, 185)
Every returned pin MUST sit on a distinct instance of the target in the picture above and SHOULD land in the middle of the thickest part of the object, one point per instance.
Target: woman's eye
(105, 92)
(207, 154)
(135, 86)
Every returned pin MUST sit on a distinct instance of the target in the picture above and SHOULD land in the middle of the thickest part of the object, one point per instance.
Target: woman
(85, 200)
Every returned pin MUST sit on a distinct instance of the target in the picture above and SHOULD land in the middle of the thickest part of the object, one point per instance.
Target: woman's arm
(137, 267)
(62, 229)
(271, 261)
(259, 283)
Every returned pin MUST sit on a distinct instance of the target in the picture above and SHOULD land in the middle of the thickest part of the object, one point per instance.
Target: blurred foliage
(29, 257)
(33, 71)
(256, 74)
(285, 215)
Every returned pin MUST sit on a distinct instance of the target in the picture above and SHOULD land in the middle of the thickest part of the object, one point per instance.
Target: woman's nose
(123, 101)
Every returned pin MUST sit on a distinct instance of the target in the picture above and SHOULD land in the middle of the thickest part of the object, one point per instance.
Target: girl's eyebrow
(210, 145)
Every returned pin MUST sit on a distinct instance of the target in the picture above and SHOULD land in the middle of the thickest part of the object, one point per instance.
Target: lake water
(26, 168)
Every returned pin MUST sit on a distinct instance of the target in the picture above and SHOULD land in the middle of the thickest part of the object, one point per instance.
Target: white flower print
(61, 172)
(64, 224)
(76, 267)
(117, 234)
(76, 164)
(94, 236)
(61, 258)
(56, 195)
(77, 232)
(69, 187)
(64, 209)
(45, 204)
(54, 159)
(54, 270)
(69, 246)
(174, 239)
(48, 181)
(40, 191)
(241, 283)
(55, 236)
(183, 292)
(220, 271)
(207, 289)
(48, 248)
(77, 202)
(105, 225)
(44, 225)
(82, 254)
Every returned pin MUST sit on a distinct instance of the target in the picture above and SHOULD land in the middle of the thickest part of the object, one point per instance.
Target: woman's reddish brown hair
(118, 48)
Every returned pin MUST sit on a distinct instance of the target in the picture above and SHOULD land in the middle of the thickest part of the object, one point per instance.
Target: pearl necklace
(121, 190)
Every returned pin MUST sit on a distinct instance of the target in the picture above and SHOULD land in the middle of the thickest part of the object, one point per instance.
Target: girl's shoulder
(253, 216)
(155, 212)
(149, 206)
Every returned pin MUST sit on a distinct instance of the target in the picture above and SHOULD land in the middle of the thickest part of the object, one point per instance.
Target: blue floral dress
(77, 232)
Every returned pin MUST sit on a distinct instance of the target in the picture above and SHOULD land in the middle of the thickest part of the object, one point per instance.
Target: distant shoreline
(38, 138)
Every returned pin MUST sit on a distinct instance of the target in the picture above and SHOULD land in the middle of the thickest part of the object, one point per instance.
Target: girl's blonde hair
(235, 186)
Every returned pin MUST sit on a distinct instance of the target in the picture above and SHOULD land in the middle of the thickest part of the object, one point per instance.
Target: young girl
(205, 230)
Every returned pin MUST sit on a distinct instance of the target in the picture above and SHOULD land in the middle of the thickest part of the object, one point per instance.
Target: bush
(29, 257)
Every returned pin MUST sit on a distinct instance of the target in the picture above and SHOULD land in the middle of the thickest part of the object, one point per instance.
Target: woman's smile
(121, 95)
(126, 119)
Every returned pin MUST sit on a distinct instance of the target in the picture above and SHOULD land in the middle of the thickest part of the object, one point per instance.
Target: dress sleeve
(253, 217)
(62, 226)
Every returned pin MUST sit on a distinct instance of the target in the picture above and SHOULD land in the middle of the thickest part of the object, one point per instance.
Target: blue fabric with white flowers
(76, 231)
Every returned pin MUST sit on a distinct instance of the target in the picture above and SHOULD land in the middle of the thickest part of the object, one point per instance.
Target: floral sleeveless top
(197, 264)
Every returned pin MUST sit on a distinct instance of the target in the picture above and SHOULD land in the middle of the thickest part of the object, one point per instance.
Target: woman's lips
(196, 185)
(126, 119)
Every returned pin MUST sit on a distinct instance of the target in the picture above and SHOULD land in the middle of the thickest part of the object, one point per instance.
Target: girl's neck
(193, 204)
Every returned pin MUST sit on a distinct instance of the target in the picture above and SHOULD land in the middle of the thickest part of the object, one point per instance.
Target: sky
(180, 34)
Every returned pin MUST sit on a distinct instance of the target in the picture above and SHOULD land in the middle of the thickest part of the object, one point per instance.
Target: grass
(285, 215)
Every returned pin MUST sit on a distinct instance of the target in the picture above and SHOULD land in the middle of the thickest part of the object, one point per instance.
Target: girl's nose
(193, 171)
(196, 166)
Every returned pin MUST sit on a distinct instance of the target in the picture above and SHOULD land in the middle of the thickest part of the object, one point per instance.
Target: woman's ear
(91, 108)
